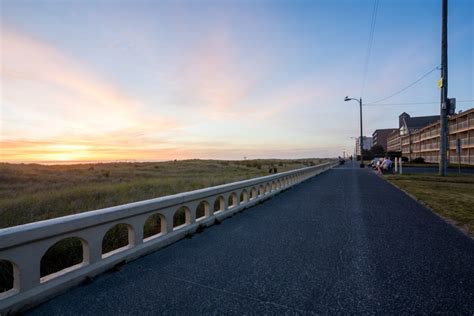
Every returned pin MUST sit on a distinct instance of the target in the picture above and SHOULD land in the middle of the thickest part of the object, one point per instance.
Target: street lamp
(361, 141)
(355, 149)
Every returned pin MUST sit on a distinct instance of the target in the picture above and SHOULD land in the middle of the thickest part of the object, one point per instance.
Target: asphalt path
(343, 242)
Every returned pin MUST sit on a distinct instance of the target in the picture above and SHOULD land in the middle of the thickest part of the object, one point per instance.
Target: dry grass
(32, 192)
(451, 197)
(35, 192)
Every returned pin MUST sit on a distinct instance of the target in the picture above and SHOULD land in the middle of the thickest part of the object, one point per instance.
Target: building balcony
(462, 125)
(431, 158)
(464, 142)
(431, 145)
(464, 159)
(429, 135)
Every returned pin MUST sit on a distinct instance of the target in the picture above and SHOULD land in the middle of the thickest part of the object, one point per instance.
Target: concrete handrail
(24, 246)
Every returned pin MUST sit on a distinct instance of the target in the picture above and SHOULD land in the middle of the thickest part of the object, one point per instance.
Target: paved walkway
(342, 242)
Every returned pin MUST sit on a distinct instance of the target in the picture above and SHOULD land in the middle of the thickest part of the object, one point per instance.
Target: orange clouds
(26, 59)
(36, 77)
(53, 108)
(68, 150)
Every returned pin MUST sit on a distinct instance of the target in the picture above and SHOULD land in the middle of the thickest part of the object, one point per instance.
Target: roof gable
(420, 121)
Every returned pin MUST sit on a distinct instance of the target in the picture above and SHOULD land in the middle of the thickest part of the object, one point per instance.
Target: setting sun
(66, 153)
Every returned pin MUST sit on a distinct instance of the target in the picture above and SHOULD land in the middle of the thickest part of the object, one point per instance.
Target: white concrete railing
(24, 246)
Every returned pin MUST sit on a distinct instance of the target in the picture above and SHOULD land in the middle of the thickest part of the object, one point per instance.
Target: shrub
(152, 226)
(417, 160)
(63, 254)
(6, 276)
(394, 154)
(367, 154)
(115, 238)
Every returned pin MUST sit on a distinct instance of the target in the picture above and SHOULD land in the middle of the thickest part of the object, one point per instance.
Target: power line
(407, 103)
(369, 46)
(413, 103)
(407, 87)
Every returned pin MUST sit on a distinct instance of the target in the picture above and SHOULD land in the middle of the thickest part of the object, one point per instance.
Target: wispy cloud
(218, 78)
(27, 59)
(71, 113)
(52, 104)
(37, 78)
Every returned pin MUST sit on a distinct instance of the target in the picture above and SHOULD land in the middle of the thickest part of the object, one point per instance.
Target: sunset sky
(158, 80)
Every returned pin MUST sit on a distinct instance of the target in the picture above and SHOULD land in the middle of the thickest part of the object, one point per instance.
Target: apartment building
(419, 137)
(399, 140)
(380, 136)
(425, 141)
(393, 142)
(367, 144)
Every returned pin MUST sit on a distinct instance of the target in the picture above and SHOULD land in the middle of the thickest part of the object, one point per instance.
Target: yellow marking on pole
(440, 83)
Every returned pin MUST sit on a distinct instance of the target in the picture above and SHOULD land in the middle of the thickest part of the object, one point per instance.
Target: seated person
(386, 164)
(378, 166)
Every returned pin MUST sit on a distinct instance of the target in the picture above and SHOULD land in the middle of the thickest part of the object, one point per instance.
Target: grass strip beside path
(452, 197)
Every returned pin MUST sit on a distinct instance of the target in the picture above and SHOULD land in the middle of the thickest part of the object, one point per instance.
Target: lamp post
(361, 142)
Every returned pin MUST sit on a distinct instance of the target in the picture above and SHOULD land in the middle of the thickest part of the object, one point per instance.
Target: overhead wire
(369, 46)
(413, 103)
(405, 88)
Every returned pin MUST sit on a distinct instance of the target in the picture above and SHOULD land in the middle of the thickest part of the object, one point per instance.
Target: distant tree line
(379, 151)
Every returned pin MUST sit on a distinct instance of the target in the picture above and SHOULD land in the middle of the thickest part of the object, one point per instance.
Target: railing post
(169, 222)
(29, 275)
(192, 211)
(137, 226)
(95, 246)
(28, 262)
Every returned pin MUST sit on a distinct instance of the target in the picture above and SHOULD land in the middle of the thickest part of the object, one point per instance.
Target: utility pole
(361, 136)
(443, 132)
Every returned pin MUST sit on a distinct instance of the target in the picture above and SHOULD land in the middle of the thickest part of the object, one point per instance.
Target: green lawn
(451, 197)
